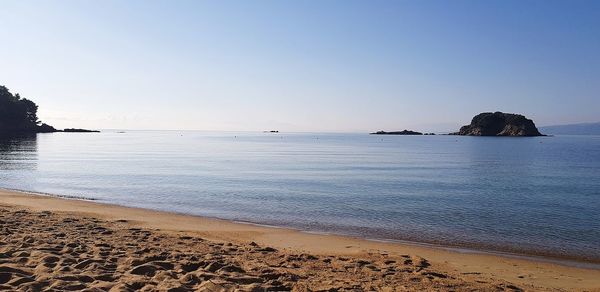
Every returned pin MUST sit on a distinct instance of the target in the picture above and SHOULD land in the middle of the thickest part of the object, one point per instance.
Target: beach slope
(63, 244)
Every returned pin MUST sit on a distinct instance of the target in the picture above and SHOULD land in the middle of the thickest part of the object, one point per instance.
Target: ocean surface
(536, 196)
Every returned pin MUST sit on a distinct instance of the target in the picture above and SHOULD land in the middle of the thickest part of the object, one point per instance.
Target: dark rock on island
(45, 128)
(405, 132)
(499, 124)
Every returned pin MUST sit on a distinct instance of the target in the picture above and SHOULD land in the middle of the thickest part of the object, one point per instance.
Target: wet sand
(63, 244)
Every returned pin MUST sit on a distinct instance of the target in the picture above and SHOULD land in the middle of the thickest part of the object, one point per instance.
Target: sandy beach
(55, 244)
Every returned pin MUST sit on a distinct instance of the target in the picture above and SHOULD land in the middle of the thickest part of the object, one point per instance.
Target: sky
(305, 66)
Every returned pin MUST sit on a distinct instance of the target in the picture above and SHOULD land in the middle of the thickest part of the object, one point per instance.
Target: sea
(535, 196)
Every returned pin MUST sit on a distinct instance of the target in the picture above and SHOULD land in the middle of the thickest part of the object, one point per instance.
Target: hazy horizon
(336, 66)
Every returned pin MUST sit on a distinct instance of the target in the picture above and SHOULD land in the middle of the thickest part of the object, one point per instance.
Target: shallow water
(527, 195)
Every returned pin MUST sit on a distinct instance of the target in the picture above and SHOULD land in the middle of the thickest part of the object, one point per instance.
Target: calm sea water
(525, 195)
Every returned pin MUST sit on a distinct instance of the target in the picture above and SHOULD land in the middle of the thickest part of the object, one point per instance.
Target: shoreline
(570, 261)
(541, 257)
(566, 261)
(523, 271)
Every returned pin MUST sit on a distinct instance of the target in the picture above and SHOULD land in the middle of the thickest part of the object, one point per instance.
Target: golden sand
(54, 244)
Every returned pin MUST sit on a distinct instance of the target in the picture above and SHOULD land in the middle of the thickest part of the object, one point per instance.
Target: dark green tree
(17, 115)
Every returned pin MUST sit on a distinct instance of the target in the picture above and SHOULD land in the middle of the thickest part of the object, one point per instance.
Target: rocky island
(405, 132)
(18, 116)
(499, 124)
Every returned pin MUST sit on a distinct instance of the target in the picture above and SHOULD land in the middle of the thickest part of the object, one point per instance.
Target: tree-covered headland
(19, 115)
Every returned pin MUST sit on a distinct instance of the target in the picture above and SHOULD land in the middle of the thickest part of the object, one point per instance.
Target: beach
(300, 146)
(66, 244)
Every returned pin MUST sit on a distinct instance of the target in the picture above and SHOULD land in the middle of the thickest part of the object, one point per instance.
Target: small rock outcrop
(405, 132)
(73, 130)
(45, 128)
(499, 124)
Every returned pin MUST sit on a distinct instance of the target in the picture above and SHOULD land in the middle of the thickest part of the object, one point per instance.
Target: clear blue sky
(301, 65)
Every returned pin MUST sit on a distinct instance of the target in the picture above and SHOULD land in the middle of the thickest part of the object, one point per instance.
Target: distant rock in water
(72, 130)
(499, 124)
(405, 132)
